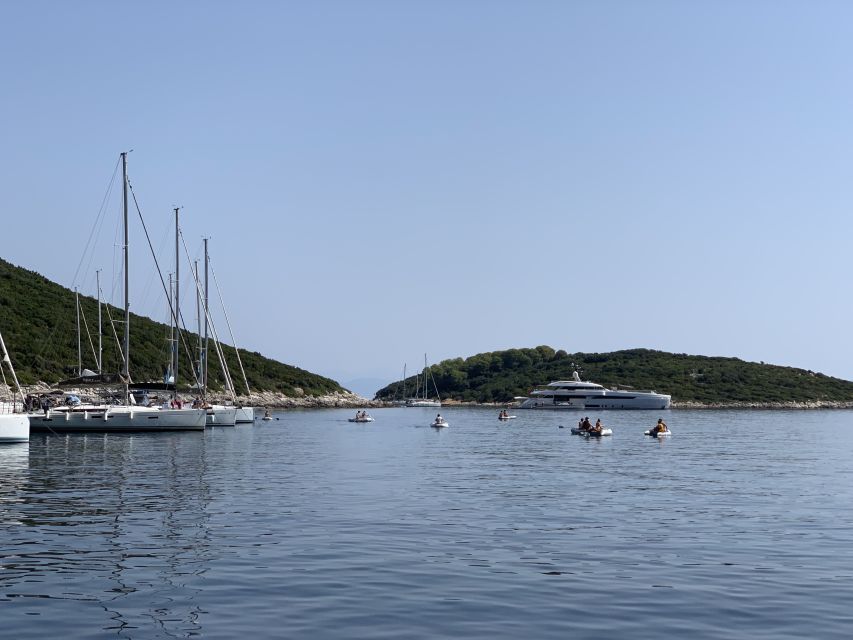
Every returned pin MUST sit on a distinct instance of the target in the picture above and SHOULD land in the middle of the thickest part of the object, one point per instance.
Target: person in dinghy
(660, 427)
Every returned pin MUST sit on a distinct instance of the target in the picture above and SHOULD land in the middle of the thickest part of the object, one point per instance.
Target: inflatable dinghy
(657, 434)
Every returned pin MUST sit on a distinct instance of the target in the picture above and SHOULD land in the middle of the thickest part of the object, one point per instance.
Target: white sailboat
(14, 425)
(400, 398)
(243, 414)
(424, 400)
(218, 415)
(127, 416)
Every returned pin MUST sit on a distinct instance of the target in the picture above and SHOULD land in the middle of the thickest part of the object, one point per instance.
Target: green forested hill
(500, 375)
(38, 321)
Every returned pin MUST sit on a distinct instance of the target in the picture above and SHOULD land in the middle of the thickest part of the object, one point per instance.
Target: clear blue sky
(381, 179)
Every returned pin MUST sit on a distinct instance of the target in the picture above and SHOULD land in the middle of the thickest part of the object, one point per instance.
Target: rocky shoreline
(811, 404)
(348, 400)
(261, 399)
(275, 400)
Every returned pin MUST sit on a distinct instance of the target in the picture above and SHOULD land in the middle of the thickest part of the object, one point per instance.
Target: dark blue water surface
(738, 526)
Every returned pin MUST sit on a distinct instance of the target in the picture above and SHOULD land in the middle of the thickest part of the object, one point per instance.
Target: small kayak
(657, 434)
(439, 425)
(267, 418)
(368, 419)
(506, 417)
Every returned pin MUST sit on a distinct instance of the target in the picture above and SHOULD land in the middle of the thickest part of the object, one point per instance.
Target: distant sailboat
(424, 400)
(400, 398)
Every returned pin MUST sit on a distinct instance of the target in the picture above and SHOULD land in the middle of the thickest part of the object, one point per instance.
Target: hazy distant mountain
(365, 387)
(501, 375)
(38, 321)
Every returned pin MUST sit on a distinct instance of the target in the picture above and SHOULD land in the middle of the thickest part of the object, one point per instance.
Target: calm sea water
(738, 526)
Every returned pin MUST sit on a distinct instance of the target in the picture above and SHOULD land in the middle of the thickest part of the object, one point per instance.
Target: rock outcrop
(276, 400)
(813, 404)
(269, 399)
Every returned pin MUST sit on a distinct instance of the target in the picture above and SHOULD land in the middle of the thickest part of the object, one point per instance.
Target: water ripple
(737, 526)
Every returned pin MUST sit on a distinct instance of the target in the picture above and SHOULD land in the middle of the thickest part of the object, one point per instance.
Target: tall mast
(206, 314)
(126, 280)
(171, 370)
(198, 319)
(233, 342)
(79, 349)
(425, 377)
(177, 304)
(100, 337)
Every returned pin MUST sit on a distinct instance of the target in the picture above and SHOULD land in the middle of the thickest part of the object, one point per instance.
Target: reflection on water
(110, 527)
(14, 461)
(739, 525)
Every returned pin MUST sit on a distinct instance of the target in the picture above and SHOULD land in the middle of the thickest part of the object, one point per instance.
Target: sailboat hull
(98, 419)
(245, 414)
(221, 416)
(14, 427)
(423, 403)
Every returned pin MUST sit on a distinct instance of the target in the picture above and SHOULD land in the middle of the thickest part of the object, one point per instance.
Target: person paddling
(660, 427)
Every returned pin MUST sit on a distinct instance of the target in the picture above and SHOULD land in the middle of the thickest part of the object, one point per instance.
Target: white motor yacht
(576, 394)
